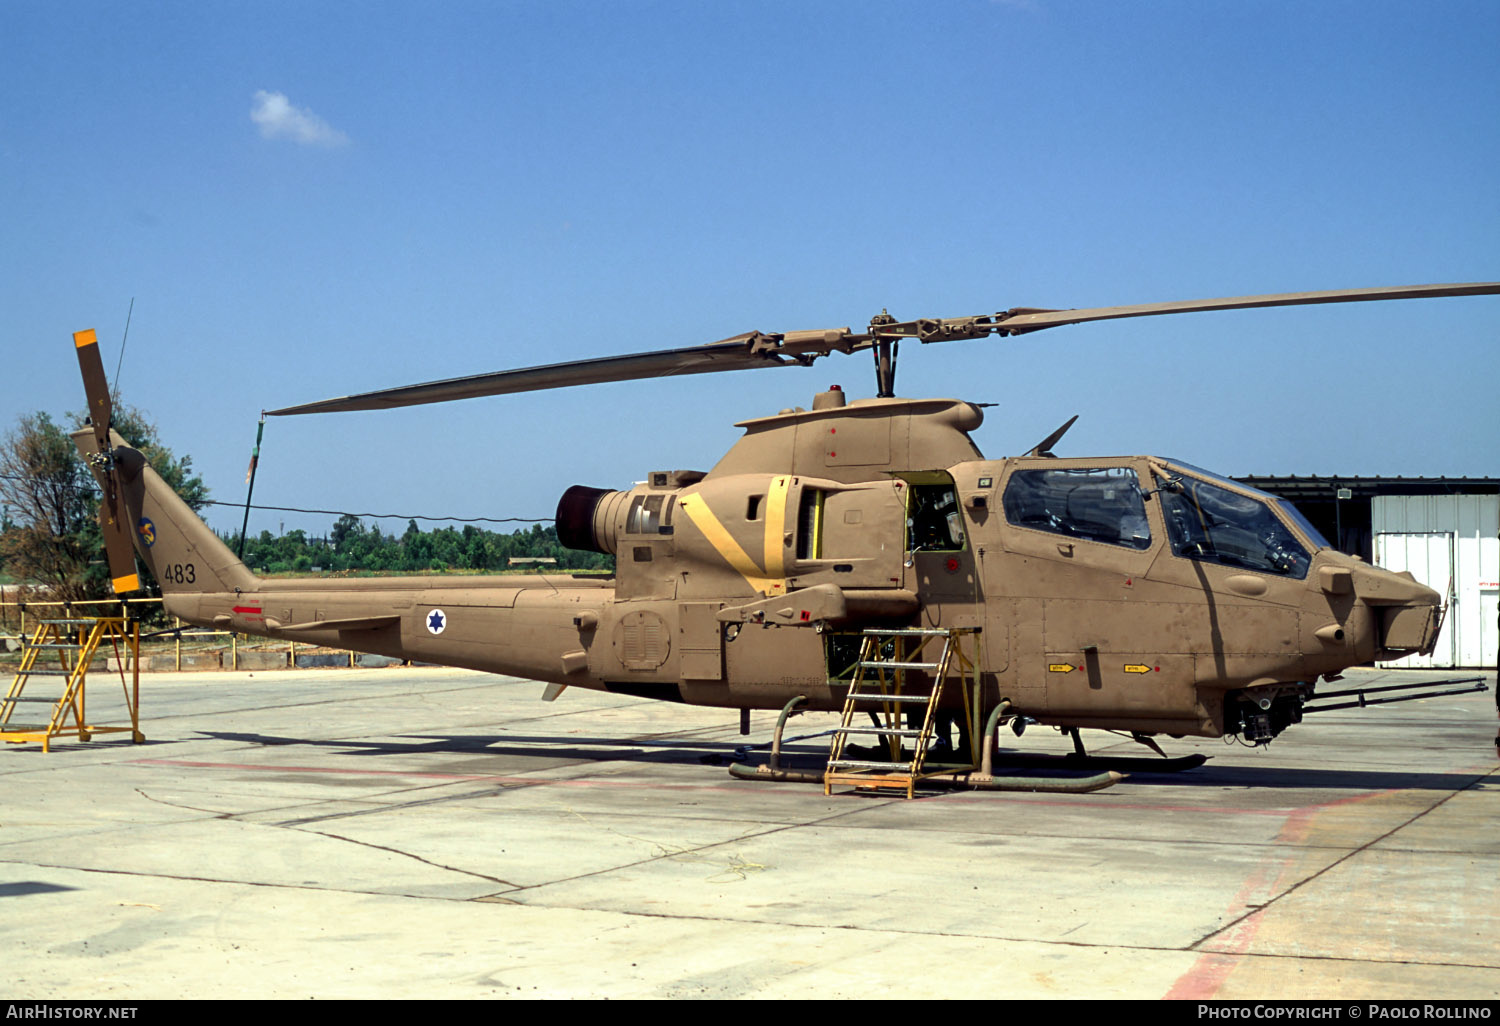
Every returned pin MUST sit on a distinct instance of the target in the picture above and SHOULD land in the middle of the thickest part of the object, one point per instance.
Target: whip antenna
(115, 388)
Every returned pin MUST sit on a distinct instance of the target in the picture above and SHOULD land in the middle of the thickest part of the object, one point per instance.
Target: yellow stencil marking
(718, 536)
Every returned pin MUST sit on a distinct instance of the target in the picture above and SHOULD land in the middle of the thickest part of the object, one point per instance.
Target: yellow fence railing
(17, 616)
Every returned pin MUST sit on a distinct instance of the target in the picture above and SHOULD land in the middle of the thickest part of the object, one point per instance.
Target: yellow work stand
(76, 641)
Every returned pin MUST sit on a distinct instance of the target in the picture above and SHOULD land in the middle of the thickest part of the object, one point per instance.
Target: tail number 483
(179, 573)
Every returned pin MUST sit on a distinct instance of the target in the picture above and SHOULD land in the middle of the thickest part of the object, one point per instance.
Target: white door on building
(1489, 630)
(1428, 555)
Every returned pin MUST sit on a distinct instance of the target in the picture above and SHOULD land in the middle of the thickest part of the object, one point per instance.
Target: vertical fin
(182, 552)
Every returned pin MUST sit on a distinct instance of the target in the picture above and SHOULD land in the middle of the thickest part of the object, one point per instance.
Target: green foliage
(50, 536)
(351, 546)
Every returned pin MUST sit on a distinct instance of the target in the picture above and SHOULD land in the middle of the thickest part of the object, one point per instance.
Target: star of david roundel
(437, 621)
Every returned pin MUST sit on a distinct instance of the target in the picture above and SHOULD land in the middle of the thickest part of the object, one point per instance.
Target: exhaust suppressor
(587, 518)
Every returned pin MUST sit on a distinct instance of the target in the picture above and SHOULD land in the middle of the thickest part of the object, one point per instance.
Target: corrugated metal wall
(1443, 538)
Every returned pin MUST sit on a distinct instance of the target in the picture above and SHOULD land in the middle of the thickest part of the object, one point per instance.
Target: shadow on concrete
(1291, 778)
(678, 751)
(21, 888)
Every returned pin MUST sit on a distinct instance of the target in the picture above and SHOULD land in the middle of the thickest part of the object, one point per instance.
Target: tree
(52, 498)
(346, 533)
(53, 538)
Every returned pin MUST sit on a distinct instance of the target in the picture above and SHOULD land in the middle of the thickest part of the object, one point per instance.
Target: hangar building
(1446, 531)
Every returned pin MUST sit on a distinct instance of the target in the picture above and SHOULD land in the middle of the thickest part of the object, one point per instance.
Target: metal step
(875, 664)
(55, 646)
(862, 697)
(864, 764)
(21, 698)
(882, 731)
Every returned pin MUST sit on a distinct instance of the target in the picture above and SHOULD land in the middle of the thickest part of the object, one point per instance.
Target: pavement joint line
(225, 881)
(1270, 957)
(852, 927)
(239, 817)
(750, 835)
(392, 807)
(1005, 939)
(295, 804)
(405, 854)
(1351, 853)
(188, 808)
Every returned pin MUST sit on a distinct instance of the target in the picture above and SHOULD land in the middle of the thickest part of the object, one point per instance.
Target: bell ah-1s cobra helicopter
(856, 556)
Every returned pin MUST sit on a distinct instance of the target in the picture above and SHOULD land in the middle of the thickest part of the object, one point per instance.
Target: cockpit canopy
(1207, 517)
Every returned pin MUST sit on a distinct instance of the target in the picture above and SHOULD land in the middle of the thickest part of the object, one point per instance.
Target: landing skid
(975, 779)
(1123, 763)
(979, 778)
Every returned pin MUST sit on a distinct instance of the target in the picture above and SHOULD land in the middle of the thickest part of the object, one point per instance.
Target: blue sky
(312, 199)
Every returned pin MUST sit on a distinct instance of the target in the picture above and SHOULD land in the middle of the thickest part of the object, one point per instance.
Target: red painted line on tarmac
(1203, 980)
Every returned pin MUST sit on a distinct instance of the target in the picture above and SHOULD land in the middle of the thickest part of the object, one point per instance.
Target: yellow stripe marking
(776, 526)
(84, 338)
(718, 536)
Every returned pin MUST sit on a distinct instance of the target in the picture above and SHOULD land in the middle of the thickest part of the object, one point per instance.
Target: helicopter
(859, 556)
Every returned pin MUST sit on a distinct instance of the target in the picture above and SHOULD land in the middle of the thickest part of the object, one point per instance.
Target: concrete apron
(435, 833)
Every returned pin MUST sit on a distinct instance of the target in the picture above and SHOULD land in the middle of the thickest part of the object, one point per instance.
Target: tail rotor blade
(95, 385)
(118, 547)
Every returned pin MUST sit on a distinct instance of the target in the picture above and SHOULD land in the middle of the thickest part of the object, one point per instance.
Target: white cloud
(278, 119)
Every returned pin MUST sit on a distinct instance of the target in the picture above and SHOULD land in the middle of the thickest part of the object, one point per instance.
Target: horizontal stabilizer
(353, 623)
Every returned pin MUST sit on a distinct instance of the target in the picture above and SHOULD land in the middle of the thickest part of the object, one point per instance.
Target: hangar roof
(1322, 487)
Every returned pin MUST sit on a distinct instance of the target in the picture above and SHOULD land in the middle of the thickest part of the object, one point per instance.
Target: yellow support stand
(79, 639)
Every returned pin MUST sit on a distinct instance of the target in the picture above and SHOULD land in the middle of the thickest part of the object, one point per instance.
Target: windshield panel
(1211, 523)
(1290, 512)
(1293, 514)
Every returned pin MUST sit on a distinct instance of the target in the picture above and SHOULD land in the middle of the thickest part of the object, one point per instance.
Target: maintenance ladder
(79, 639)
(880, 683)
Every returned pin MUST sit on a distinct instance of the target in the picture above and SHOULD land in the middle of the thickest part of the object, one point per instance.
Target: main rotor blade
(738, 353)
(1020, 321)
(801, 348)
